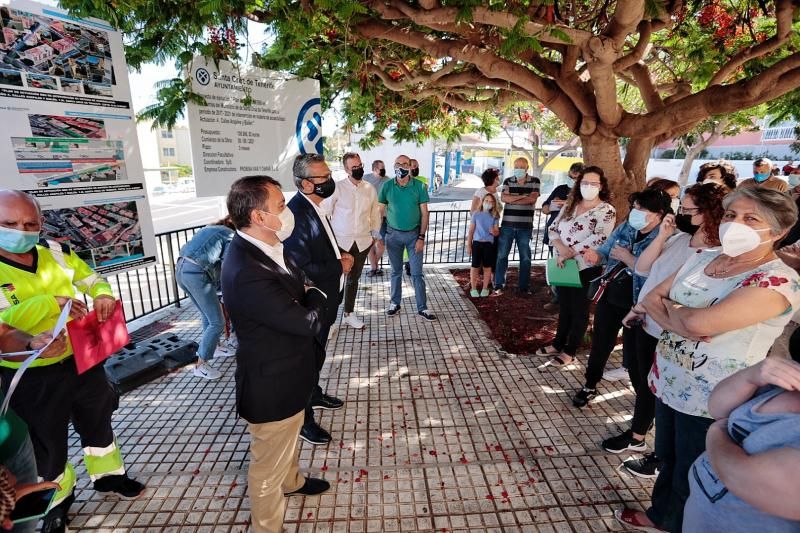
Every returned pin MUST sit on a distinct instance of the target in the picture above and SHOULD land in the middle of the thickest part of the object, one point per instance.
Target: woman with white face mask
(585, 222)
(720, 313)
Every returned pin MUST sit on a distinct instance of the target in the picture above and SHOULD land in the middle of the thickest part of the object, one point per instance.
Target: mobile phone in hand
(32, 506)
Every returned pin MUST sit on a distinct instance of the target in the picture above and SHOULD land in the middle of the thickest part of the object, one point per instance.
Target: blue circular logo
(202, 76)
(309, 128)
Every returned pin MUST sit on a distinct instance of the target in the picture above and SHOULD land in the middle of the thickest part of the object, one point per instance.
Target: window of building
(166, 134)
(169, 152)
(783, 131)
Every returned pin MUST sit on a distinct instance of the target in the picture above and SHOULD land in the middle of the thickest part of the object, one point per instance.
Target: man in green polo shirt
(405, 202)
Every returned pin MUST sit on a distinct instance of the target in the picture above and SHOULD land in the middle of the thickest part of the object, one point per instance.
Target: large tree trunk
(604, 152)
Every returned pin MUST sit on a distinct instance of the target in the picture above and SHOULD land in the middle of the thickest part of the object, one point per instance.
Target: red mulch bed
(519, 323)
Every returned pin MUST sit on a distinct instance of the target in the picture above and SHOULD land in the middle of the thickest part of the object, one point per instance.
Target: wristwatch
(421, 237)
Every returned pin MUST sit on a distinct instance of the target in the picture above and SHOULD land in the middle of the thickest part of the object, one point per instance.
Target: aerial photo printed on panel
(41, 52)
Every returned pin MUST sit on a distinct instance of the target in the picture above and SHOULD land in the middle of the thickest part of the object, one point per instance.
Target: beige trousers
(274, 456)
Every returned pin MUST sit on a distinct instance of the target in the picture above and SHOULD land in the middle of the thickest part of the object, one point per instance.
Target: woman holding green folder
(584, 224)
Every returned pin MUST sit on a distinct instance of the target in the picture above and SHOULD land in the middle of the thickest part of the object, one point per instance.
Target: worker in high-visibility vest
(37, 278)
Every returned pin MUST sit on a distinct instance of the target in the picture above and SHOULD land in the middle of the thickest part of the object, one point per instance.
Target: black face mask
(415, 172)
(400, 173)
(324, 190)
(357, 173)
(382, 173)
(684, 223)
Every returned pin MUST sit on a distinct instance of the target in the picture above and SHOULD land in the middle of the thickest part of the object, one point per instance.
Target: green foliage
(184, 171)
(321, 40)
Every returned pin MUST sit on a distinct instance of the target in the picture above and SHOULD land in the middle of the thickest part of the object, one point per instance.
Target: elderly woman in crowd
(584, 224)
(720, 313)
(748, 478)
(697, 226)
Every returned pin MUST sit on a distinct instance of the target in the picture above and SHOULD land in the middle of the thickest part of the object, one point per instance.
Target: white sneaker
(224, 350)
(616, 374)
(353, 321)
(206, 372)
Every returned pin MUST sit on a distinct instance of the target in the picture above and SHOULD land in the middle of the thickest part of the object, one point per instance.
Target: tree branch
(627, 16)
(783, 32)
(599, 54)
(644, 82)
(777, 80)
(488, 63)
(570, 144)
(638, 52)
(434, 18)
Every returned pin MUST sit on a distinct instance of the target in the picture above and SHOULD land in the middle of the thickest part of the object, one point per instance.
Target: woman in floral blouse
(585, 223)
(720, 313)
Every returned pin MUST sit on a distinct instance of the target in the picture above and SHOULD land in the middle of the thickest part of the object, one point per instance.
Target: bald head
(19, 211)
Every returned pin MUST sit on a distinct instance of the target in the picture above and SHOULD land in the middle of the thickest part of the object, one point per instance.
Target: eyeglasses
(357, 167)
(325, 177)
(595, 184)
(402, 165)
(688, 210)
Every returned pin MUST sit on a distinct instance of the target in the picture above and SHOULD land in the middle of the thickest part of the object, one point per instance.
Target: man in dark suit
(277, 316)
(313, 247)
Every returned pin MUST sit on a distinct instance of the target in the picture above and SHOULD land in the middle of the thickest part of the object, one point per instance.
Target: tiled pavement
(441, 431)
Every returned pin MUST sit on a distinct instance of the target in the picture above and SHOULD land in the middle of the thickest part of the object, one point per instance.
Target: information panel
(69, 134)
(254, 122)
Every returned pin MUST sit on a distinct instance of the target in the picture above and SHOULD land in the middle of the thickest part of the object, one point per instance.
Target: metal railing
(153, 288)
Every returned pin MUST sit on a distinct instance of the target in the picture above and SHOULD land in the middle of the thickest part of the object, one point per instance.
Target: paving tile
(439, 432)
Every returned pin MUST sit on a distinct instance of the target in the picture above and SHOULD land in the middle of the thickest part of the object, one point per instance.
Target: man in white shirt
(356, 221)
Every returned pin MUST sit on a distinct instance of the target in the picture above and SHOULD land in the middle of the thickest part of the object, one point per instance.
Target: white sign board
(69, 134)
(232, 138)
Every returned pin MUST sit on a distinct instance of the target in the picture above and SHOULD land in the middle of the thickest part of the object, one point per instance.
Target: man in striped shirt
(519, 193)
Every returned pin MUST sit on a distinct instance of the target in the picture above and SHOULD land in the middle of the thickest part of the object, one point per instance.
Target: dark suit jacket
(276, 323)
(311, 250)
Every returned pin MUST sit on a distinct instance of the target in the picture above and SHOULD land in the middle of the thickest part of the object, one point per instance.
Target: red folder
(93, 342)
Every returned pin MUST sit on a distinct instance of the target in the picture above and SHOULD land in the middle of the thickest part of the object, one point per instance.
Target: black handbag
(599, 284)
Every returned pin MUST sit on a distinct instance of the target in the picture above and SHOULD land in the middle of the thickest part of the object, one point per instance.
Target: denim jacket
(624, 235)
(207, 249)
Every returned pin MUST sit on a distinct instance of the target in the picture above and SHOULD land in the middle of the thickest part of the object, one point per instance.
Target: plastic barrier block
(133, 366)
(175, 351)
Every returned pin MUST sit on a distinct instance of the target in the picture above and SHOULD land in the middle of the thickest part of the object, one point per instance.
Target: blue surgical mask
(794, 180)
(16, 241)
(519, 173)
(570, 182)
(637, 219)
(760, 177)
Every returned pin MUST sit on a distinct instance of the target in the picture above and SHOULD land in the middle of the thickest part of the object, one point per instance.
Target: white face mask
(675, 203)
(286, 218)
(487, 206)
(589, 193)
(738, 239)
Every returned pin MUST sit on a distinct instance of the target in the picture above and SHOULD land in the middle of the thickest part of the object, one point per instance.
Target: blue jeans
(23, 465)
(396, 242)
(203, 293)
(680, 439)
(507, 237)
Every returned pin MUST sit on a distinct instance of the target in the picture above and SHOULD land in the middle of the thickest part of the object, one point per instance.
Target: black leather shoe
(313, 434)
(123, 486)
(312, 487)
(327, 402)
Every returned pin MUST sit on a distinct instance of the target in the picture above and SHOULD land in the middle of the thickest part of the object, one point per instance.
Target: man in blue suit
(313, 247)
